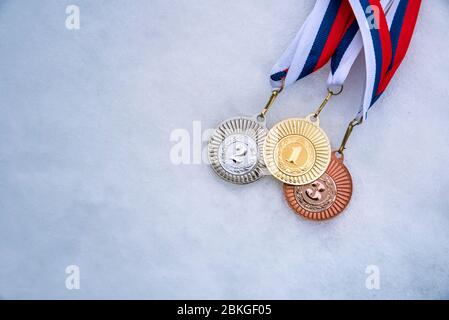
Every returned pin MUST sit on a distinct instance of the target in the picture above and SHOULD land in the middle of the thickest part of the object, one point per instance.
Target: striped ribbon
(338, 29)
(348, 50)
(329, 31)
(385, 47)
(314, 43)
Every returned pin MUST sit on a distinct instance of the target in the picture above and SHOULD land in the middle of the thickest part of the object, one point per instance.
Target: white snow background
(86, 177)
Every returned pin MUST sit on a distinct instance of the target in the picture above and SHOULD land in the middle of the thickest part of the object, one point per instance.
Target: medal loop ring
(335, 92)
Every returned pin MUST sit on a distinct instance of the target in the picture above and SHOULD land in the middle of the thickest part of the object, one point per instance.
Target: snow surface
(86, 177)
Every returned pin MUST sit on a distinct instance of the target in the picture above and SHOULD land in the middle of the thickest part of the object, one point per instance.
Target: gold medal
(297, 151)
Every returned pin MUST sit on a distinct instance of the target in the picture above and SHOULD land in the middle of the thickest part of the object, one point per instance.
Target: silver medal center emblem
(238, 154)
(235, 150)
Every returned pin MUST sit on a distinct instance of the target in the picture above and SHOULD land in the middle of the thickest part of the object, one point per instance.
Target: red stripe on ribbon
(408, 27)
(342, 22)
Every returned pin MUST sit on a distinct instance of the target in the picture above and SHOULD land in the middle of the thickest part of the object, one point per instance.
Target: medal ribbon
(329, 31)
(338, 29)
(314, 43)
(385, 46)
(348, 50)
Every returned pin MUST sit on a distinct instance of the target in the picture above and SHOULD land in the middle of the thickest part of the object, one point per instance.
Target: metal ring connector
(335, 93)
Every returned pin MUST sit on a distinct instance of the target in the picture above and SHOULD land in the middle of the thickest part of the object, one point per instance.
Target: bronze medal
(325, 197)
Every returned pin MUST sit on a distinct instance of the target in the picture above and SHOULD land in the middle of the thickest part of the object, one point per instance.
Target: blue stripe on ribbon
(343, 46)
(395, 33)
(396, 28)
(278, 76)
(321, 38)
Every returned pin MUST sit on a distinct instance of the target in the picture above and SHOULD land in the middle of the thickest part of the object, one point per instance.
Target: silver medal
(235, 149)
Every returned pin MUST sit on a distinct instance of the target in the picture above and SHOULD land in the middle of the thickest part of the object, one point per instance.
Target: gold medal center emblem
(294, 155)
(297, 151)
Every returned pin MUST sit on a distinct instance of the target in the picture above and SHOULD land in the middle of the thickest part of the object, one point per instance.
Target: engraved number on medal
(240, 153)
(294, 156)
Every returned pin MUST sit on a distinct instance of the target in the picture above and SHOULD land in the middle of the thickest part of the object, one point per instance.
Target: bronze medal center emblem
(325, 197)
(297, 151)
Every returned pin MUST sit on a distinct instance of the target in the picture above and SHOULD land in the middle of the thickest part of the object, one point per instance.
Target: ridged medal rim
(310, 131)
(238, 125)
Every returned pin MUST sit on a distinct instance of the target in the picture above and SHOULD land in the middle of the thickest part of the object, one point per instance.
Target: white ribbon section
(370, 58)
